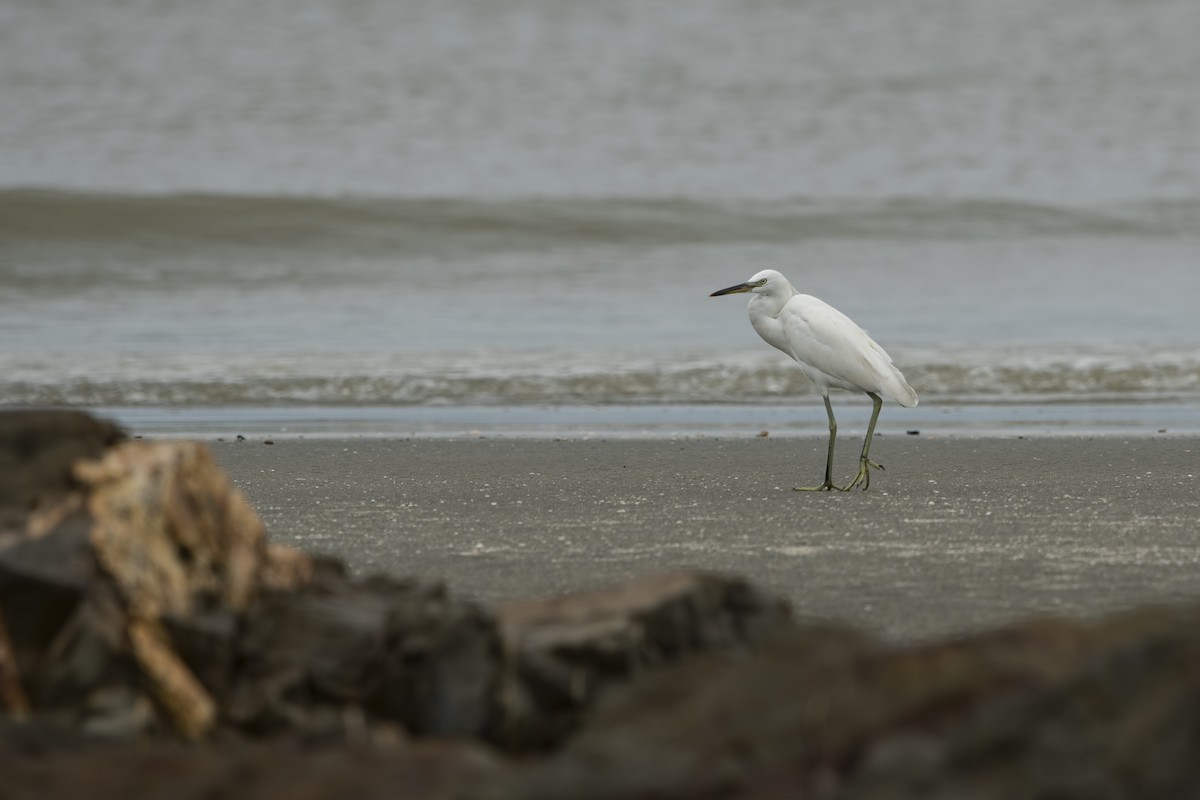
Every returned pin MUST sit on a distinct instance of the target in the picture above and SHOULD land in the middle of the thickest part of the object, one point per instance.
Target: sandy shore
(956, 534)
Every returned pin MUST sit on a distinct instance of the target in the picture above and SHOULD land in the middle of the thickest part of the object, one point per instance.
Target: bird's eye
(763, 282)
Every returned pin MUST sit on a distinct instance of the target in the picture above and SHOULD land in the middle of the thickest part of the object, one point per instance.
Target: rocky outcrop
(1045, 709)
(143, 599)
(566, 652)
(825, 712)
(37, 452)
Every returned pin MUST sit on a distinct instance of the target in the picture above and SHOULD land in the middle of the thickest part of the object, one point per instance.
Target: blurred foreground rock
(153, 643)
(142, 599)
(566, 652)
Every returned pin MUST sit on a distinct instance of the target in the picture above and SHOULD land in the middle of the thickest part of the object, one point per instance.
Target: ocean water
(505, 218)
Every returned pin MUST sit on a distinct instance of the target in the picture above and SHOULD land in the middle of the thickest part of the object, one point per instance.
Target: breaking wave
(527, 379)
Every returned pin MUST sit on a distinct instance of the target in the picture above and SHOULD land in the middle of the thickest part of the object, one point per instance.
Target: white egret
(831, 350)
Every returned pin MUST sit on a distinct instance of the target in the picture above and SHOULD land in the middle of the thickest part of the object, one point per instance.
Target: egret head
(766, 282)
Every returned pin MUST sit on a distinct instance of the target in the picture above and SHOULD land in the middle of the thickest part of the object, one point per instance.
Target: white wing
(827, 340)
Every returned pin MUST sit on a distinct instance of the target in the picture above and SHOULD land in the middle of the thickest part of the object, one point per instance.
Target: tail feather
(897, 388)
(891, 380)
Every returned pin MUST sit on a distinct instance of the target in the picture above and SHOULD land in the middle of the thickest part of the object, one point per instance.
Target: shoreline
(958, 534)
(802, 418)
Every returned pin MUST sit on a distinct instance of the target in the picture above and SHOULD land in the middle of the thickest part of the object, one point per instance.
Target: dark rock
(206, 640)
(89, 654)
(402, 652)
(118, 712)
(67, 630)
(565, 652)
(43, 581)
(1124, 723)
(37, 449)
(796, 716)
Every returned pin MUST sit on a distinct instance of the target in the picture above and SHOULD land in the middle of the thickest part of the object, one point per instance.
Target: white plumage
(831, 350)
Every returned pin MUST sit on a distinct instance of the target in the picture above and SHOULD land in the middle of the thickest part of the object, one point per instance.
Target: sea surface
(384, 217)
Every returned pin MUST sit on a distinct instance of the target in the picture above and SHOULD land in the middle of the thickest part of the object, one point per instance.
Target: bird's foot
(827, 486)
(863, 478)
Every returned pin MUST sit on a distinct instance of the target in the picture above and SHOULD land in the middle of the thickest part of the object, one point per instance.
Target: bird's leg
(865, 465)
(828, 484)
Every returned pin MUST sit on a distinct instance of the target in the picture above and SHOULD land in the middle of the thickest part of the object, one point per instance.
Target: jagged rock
(66, 628)
(563, 652)
(152, 575)
(151, 572)
(37, 450)
(43, 581)
(1123, 722)
(121, 549)
(174, 536)
(396, 651)
(1043, 709)
(795, 717)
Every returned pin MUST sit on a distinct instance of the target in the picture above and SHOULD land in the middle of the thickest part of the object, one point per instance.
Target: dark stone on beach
(803, 716)
(37, 449)
(66, 630)
(1044, 709)
(206, 640)
(146, 598)
(1123, 722)
(399, 652)
(43, 581)
(151, 574)
(566, 652)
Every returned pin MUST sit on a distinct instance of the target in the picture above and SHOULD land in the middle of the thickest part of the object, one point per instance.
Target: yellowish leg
(828, 484)
(865, 465)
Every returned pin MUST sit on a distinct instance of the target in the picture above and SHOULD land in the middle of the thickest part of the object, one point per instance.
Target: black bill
(741, 287)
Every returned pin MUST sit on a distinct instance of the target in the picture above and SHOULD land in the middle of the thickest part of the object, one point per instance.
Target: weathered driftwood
(118, 540)
(172, 534)
(170, 529)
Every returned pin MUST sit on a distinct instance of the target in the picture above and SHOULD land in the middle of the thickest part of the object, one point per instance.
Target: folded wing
(827, 340)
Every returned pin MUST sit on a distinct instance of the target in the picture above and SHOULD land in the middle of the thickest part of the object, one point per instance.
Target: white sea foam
(492, 378)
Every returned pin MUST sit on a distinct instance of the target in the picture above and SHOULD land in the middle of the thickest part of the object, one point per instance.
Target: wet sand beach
(957, 534)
